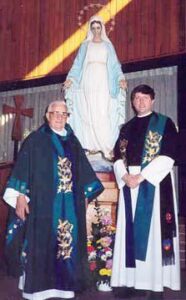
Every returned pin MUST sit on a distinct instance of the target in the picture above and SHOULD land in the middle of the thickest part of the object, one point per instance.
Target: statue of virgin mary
(95, 92)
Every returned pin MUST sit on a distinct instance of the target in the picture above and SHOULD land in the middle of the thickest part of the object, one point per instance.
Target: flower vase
(103, 286)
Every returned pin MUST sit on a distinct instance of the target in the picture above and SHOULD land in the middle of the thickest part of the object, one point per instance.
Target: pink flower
(106, 220)
(109, 264)
(105, 241)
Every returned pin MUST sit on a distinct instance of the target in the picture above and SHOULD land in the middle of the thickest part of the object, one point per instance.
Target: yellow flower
(113, 228)
(109, 272)
(103, 272)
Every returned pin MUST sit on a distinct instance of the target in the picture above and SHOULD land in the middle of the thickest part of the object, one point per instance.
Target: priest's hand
(139, 178)
(86, 203)
(132, 181)
(22, 208)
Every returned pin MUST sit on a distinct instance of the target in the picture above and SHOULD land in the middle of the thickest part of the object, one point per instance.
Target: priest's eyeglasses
(60, 114)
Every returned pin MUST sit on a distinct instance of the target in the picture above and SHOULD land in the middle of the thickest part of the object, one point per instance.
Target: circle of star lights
(94, 6)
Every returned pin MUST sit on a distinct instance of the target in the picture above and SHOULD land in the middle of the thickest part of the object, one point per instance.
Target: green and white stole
(145, 200)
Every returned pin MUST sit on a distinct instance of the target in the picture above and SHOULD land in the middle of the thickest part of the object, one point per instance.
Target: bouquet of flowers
(100, 246)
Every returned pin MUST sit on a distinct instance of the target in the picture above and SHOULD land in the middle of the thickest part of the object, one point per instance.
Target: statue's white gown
(95, 117)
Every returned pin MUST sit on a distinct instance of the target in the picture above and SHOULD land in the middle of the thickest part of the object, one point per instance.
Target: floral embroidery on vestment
(65, 175)
(123, 148)
(64, 237)
(152, 146)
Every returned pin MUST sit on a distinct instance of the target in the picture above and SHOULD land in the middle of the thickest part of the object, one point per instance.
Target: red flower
(92, 265)
(90, 248)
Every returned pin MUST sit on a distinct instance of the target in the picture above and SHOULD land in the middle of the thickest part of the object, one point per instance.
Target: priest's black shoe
(123, 292)
(155, 295)
(139, 293)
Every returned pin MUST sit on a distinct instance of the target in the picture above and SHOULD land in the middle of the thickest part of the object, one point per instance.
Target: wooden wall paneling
(166, 29)
(29, 32)
(119, 36)
(33, 33)
(58, 30)
(1, 34)
(151, 28)
(51, 32)
(116, 34)
(158, 31)
(9, 49)
(74, 27)
(131, 34)
(126, 33)
(182, 26)
(78, 5)
(22, 41)
(143, 8)
(70, 27)
(2, 38)
(5, 41)
(66, 32)
(174, 26)
(137, 30)
(45, 46)
(64, 24)
(14, 27)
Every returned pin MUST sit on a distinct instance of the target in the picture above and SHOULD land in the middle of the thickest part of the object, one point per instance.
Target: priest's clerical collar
(62, 132)
(145, 115)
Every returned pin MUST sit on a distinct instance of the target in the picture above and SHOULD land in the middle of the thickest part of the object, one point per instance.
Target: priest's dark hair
(144, 89)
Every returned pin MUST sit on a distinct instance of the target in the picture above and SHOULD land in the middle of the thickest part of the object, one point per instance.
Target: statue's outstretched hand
(123, 84)
(67, 84)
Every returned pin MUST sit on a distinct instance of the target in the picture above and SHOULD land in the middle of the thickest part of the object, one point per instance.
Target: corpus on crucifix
(19, 111)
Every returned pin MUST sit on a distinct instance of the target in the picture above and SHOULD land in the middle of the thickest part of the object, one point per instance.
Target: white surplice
(149, 274)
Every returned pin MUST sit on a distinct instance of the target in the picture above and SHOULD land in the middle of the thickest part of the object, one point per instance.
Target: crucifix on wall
(19, 111)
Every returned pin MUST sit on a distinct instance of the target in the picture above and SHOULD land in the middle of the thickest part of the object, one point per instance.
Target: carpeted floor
(9, 291)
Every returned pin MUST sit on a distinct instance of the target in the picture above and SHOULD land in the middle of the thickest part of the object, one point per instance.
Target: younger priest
(146, 254)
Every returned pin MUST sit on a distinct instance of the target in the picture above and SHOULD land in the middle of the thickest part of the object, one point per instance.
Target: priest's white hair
(56, 102)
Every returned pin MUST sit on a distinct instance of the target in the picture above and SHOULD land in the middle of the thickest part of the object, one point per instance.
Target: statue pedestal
(109, 197)
(107, 200)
